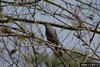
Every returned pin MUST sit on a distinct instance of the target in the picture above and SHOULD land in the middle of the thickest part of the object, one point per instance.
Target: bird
(52, 37)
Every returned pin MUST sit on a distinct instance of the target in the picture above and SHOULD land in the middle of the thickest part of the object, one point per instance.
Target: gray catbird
(51, 36)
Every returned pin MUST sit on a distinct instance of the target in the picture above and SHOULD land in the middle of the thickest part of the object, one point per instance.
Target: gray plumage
(52, 36)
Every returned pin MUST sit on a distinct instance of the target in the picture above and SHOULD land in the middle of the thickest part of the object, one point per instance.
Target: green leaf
(21, 38)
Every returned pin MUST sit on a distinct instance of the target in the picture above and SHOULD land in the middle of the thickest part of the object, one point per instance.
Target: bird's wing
(54, 34)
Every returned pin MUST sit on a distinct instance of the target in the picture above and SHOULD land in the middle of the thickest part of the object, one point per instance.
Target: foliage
(76, 24)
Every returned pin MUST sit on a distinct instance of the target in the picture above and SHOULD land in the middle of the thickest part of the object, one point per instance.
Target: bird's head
(47, 25)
